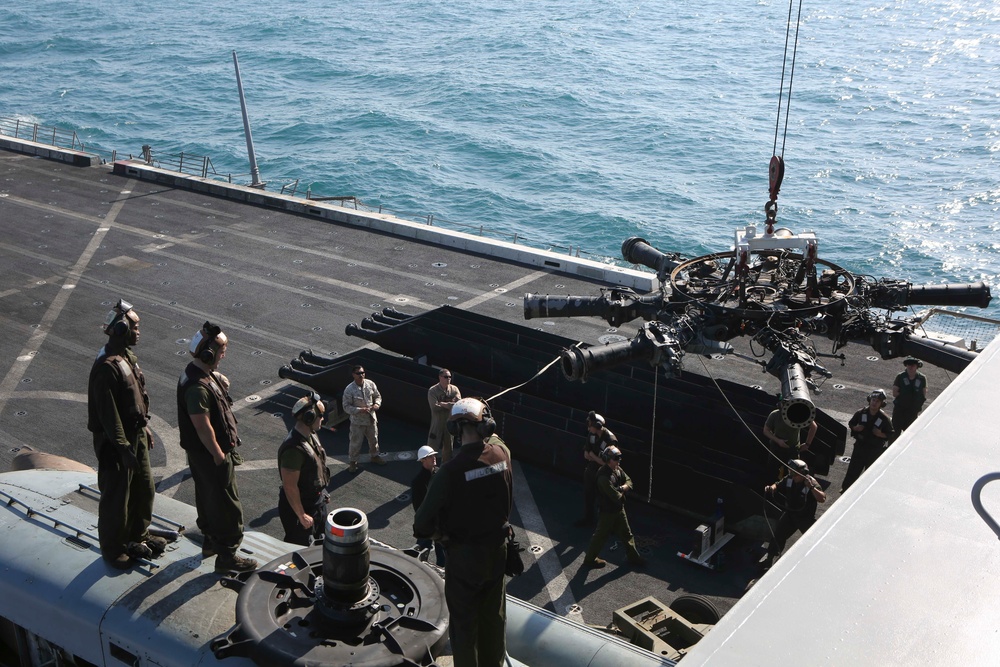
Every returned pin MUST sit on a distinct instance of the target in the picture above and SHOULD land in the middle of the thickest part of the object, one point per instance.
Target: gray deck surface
(76, 239)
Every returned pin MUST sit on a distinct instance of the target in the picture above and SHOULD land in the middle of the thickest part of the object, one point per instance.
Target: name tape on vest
(479, 473)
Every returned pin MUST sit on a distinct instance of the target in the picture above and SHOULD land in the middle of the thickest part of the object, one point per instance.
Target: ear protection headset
(310, 409)
(799, 466)
(485, 427)
(117, 321)
(488, 425)
(611, 452)
(206, 343)
(877, 393)
(594, 419)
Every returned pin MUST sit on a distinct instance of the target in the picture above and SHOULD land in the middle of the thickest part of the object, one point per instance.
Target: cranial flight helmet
(120, 319)
(308, 408)
(799, 466)
(206, 344)
(611, 452)
(473, 411)
(877, 393)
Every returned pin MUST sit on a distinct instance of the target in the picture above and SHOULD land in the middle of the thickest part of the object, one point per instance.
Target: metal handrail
(41, 134)
(162, 519)
(30, 512)
(78, 533)
(201, 166)
(924, 317)
(184, 163)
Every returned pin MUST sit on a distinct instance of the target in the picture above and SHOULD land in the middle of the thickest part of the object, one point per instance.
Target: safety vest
(616, 478)
(911, 392)
(796, 498)
(481, 493)
(220, 413)
(866, 437)
(314, 475)
(597, 443)
(131, 399)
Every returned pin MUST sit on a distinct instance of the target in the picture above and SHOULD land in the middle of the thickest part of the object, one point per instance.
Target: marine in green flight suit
(469, 500)
(117, 415)
(612, 485)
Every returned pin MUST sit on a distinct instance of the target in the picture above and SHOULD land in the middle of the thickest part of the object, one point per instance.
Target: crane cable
(791, 76)
(652, 435)
(752, 432)
(544, 368)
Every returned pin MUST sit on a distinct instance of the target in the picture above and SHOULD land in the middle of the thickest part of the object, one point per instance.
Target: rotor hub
(341, 603)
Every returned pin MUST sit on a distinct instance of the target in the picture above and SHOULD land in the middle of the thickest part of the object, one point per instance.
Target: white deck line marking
(23, 360)
(402, 273)
(172, 473)
(172, 476)
(43, 394)
(195, 242)
(556, 582)
(167, 436)
(492, 294)
(303, 293)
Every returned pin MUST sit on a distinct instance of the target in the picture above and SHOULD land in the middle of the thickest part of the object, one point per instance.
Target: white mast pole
(254, 172)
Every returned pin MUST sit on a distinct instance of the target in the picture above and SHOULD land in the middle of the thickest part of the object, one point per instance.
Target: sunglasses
(446, 377)
(361, 373)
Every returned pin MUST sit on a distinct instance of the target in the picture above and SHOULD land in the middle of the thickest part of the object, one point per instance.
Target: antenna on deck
(254, 172)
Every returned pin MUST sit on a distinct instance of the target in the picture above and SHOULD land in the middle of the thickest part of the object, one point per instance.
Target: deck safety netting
(974, 332)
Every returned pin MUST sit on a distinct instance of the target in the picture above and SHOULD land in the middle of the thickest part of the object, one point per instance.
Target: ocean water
(570, 123)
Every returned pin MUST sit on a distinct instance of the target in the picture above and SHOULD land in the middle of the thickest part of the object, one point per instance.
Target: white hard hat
(424, 452)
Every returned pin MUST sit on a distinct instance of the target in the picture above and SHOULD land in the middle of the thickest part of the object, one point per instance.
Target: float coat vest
(911, 392)
(220, 413)
(796, 498)
(132, 401)
(481, 484)
(597, 443)
(616, 478)
(314, 475)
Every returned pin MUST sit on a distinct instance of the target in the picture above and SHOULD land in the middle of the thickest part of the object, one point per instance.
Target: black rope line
(752, 432)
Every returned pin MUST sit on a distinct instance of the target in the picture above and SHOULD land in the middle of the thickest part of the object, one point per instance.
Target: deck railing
(185, 163)
(973, 332)
(20, 128)
(201, 166)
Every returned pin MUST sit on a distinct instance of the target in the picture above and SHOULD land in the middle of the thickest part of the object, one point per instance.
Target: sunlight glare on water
(568, 124)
